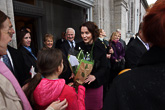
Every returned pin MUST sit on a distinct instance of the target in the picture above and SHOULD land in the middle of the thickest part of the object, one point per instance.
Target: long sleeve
(100, 69)
(75, 100)
(81, 97)
(122, 54)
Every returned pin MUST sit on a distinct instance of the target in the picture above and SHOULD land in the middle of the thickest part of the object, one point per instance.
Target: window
(32, 2)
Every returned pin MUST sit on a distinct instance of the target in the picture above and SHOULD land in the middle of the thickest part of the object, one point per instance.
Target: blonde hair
(48, 36)
(112, 36)
(100, 30)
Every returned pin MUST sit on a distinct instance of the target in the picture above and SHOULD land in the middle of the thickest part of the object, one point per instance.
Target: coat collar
(154, 56)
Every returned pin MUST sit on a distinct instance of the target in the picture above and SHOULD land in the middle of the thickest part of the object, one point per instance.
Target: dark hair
(20, 36)
(48, 61)
(93, 29)
(154, 24)
(3, 17)
(25, 28)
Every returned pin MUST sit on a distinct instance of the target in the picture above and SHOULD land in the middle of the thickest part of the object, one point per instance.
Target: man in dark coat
(60, 41)
(67, 47)
(135, 49)
(69, 44)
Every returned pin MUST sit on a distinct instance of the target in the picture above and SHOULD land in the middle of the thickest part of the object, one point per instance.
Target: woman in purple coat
(117, 57)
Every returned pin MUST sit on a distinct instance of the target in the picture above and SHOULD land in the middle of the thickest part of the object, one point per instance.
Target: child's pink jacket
(48, 91)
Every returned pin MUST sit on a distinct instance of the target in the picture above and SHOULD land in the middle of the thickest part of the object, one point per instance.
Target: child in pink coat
(46, 87)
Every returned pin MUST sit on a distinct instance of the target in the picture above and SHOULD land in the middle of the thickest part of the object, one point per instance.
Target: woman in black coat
(24, 42)
(94, 82)
(143, 87)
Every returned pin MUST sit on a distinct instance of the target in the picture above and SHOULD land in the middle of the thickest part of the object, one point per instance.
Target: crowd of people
(53, 86)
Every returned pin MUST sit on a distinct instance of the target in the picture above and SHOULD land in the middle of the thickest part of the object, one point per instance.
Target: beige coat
(9, 99)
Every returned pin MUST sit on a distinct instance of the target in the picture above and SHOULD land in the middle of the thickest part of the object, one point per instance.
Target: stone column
(7, 7)
(121, 16)
(102, 15)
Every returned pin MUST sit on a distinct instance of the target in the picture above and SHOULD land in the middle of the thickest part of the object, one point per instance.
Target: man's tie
(72, 44)
(6, 60)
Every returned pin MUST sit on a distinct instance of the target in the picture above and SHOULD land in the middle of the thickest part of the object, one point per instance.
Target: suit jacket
(59, 42)
(134, 52)
(18, 63)
(65, 48)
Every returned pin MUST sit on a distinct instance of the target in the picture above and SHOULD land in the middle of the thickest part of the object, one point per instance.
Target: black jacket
(18, 63)
(100, 65)
(59, 43)
(134, 52)
(65, 47)
(143, 87)
(66, 74)
(29, 61)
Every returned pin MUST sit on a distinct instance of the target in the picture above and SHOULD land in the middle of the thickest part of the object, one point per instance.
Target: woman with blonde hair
(48, 41)
(117, 58)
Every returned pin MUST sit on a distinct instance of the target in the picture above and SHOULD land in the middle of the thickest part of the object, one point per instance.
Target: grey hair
(70, 29)
(118, 30)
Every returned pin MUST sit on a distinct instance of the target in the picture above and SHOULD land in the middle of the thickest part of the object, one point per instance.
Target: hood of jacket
(48, 91)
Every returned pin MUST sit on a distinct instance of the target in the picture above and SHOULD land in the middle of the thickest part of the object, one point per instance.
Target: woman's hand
(116, 60)
(111, 50)
(72, 76)
(108, 56)
(90, 79)
(70, 84)
(57, 105)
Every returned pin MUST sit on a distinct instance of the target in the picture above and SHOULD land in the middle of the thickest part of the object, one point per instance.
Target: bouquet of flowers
(81, 65)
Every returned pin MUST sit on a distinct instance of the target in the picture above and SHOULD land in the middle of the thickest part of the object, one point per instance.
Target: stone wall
(102, 17)
(7, 7)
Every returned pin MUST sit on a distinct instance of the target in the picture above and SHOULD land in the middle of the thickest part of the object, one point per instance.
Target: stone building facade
(54, 16)
(119, 14)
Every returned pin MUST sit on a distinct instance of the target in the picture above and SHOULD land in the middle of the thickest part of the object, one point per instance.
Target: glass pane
(32, 2)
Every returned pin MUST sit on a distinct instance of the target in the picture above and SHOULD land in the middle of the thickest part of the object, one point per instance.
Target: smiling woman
(48, 41)
(94, 82)
(24, 43)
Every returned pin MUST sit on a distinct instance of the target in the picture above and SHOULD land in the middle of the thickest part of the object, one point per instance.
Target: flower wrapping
(81, 65)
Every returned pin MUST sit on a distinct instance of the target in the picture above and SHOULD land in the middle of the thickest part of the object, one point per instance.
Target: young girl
(45, 87)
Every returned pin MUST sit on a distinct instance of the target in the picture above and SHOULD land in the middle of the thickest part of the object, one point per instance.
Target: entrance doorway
(30, 22)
